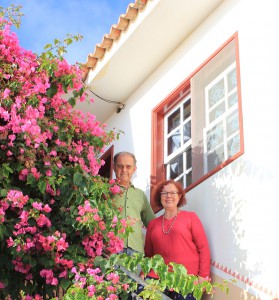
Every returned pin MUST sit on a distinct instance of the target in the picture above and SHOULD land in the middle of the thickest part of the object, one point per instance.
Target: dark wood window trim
(107, 169)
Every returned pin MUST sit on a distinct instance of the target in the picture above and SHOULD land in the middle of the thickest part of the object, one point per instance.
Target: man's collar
(124, 188)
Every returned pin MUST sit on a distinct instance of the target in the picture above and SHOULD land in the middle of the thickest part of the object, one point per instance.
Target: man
(132, 201)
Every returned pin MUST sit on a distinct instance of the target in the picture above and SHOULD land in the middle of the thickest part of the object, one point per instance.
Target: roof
(124, 20)
(149, 34)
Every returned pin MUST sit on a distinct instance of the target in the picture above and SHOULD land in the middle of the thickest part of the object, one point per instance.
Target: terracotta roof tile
(91, 62)
(99, 52)
(132, 12)
(106, 44)
(123, 23)
(114, 33)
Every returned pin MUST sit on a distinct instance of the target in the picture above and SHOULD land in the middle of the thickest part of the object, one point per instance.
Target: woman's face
(170, 196)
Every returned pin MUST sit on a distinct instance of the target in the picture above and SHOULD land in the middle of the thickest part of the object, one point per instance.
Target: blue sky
(45, 20)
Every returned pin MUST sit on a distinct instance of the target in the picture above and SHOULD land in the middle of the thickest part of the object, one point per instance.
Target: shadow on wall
(241, 224)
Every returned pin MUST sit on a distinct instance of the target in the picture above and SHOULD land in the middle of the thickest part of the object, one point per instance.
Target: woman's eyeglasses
(164, 194)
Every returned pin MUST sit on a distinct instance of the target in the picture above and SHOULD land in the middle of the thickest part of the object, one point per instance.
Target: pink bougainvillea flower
(115, 189)
(38, 206)
(48, 173)
(102, 225)
(49, 276)
(42, 220)
(62, 245)
(91, 290)
(6, 93)
(35, 173)
(114, 278)
(17, 199)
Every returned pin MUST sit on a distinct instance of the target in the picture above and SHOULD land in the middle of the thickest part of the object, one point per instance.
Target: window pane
(216, 93)
(217, 112)
(186, 132)
(176, 167)
(181, 180)
(215, 158)
(232, 123)
(189, 178)
(174, 142)
(233, 99)
(215, 137)
(173, 120)
(233, 146)
(186, 110)
(189, 159)
(232, 81)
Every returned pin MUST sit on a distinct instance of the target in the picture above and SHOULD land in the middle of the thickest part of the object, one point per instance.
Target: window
(177, 142)
(197, 129)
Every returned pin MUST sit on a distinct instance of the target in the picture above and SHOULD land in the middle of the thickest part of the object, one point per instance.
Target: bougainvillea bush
(56, 213)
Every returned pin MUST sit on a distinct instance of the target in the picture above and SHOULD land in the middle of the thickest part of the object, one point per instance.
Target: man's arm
(147, 214)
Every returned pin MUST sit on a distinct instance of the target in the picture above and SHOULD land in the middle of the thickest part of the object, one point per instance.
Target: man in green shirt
(132, 201)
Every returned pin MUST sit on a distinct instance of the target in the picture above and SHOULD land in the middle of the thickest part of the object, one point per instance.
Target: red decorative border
(244, 279)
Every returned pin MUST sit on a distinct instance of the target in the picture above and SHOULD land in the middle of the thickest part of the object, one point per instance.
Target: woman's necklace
(163, 224)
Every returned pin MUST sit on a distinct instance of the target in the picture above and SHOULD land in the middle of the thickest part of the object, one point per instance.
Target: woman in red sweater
(178, 236)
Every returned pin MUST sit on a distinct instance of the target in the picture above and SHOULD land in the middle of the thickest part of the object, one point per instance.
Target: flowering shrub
(56, 213)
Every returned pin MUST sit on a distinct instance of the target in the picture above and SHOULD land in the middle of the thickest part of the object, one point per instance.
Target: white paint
(239, 205)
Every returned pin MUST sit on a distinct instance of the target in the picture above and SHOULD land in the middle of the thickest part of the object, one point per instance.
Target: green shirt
(133, 203)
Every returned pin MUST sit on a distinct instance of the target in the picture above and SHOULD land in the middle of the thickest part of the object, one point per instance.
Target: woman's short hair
(159, 188)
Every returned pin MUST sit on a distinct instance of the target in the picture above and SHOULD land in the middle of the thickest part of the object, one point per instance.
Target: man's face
(124, 169)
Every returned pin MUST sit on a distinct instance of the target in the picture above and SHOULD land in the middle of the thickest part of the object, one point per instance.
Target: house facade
(192, 86)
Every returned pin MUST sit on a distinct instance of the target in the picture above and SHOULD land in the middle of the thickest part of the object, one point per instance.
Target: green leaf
(76, 250)
(52, 90)
(145, 265)
(3, 193)
(162, 271)
(68, 41)
(179, 269)
(47, 46)
(2, 231)
(78, 179)
(31, 180)
(42, 186)
(72, 101)
(114, 259)
(45, 261)
(64, 171)
(198, 294)
(6, 170)
(65, 283)
(157, 260)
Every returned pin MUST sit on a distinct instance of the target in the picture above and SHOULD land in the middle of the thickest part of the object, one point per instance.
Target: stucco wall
(239, 205)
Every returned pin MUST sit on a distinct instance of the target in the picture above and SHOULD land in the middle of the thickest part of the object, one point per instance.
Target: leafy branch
(13, 14)
(177, 280)
(60, 46)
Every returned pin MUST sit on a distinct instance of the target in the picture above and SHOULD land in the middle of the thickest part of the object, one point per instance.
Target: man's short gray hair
(124, 153)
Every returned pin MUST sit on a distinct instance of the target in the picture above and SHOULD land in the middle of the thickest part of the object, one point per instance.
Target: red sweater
(185, 244)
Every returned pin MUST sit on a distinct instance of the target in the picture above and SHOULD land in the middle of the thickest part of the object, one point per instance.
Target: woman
(178, 236)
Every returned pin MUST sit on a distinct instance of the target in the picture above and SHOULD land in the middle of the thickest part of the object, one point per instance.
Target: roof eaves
(124, 20)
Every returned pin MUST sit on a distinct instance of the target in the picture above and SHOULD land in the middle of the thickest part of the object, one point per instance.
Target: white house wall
(239, 205)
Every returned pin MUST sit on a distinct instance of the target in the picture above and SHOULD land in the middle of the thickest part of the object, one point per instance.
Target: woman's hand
(202, 279)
